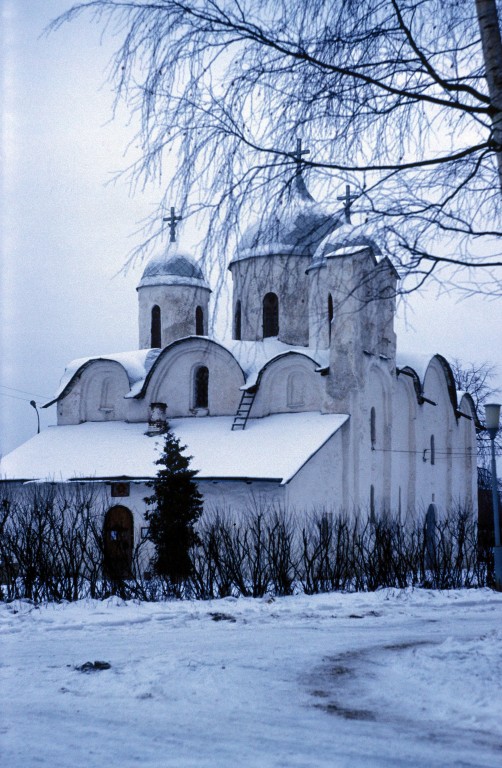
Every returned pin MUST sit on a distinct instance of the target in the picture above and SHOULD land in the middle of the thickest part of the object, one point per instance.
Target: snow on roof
(349, 238)
(136, 364)
(296, 226)
(418, 362)
(465, 407)
(252, 356)
(272, 448)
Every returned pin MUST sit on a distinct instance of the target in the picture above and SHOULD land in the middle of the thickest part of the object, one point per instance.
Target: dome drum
(173, 298)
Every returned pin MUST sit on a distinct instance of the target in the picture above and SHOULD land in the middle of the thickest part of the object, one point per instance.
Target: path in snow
(386, 679)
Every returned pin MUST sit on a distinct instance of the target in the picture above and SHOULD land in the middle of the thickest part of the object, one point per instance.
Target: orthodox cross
(347, 198)
(173, 220)
(298, 156)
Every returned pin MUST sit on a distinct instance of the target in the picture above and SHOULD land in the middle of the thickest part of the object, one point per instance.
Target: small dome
(178, 269)
(346, 239)
(295, 228)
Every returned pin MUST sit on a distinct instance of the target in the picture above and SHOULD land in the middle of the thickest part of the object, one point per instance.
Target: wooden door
(118, 535)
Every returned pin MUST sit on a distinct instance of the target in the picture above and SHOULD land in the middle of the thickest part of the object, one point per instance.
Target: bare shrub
(52, 548)
(450, 552)
(50, 541)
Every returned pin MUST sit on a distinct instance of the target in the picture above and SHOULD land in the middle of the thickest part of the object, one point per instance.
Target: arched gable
(437, 429)
(439, 385)
(421, 381)
(449, 378)
(466, 407)
(95, 392)
(465, 447)
(404, 446)
(288, 383)
(377, 436)
(104, 384)
(172, 379)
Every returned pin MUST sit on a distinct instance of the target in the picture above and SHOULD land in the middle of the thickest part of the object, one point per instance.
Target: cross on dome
(347, 199)
(298, 156)
(173, 221)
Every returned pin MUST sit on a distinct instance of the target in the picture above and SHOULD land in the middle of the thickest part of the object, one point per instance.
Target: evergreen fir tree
(176, 507)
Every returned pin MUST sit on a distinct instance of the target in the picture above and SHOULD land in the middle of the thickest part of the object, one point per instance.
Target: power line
(14, 389)
(14, 397)
(438, 454)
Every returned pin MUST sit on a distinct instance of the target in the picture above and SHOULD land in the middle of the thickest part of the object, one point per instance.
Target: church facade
(309, 404)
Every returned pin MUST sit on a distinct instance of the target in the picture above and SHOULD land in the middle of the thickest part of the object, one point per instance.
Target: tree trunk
(492, 54)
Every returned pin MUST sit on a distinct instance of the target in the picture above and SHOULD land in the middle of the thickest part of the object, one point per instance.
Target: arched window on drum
(270, 315)
(155, 332)
(199, 322)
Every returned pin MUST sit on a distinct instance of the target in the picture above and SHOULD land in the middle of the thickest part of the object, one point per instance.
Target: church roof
(255, 356)
(295, 228)
(346, 239)
(272, 448)
(252, 356)
(175, 269)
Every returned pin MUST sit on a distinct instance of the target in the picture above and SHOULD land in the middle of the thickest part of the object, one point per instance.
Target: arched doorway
(118, 541)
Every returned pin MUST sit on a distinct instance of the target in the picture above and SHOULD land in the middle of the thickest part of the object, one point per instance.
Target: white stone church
(307, 405)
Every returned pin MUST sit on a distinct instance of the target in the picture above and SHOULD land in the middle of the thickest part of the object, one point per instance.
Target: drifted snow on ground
(394, 678)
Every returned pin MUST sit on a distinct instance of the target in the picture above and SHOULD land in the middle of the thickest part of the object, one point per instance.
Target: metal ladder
(242, 415)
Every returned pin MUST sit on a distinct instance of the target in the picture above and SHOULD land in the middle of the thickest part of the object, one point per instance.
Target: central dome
(295, 228)
(178, 269)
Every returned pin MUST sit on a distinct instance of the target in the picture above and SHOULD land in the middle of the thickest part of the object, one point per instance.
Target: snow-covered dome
(175, 269)
(346, 239)
(295, 228)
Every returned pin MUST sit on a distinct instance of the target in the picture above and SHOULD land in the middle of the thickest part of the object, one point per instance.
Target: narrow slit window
(199, 322)
(238, 321)
(433, 450)
(373, 429)
(330, 314)
(155, 327)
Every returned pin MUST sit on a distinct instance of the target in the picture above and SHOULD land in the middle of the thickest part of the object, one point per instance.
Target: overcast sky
(66, 230)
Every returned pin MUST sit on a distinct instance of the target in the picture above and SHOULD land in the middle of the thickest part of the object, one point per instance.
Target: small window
(372, 504)
(155, 327)
(199, 322)
(201, 382)
(373, 429)
(433, 450)
(270, 315)
(237, 321)
(120, 489)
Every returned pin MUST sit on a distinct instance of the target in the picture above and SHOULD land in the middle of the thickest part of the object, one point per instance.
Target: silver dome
(178, 269)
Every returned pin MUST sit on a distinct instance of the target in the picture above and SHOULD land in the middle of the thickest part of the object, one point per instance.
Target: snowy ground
(387, 679)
